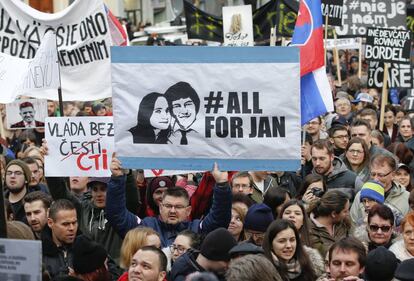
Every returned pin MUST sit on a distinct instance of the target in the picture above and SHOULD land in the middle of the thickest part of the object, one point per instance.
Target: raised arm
(220, 212)
(116, 212)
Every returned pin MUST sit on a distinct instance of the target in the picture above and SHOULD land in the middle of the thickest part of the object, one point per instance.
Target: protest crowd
(346, 213)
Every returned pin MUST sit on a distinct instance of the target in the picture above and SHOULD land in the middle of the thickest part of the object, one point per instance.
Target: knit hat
(405, 271)
(25, 168)
(104, 180)
(217, 244)
(88, 255)
(258, 217)
(373, 190)
(380, 265)
(158, 182)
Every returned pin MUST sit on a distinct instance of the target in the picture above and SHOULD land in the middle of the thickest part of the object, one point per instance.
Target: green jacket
(320, 238)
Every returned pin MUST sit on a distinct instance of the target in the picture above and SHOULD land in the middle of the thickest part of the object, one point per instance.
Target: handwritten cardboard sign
(79, 146)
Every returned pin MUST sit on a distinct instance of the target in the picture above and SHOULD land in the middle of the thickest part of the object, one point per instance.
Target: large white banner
(83, 42)
(185, 108)
(79, 146)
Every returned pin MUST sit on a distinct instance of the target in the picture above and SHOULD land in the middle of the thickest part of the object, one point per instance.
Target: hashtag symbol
(213, 102)
(354, 5)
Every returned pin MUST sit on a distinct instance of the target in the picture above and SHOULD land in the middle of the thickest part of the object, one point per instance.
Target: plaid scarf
(292, 267)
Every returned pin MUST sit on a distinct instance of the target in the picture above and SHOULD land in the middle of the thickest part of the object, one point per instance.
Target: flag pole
(60, 81)
(326, 34)
(360, 59)
(3, 222)
(384, 97)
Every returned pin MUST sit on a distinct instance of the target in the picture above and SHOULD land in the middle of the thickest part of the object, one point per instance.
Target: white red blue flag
(316, 94)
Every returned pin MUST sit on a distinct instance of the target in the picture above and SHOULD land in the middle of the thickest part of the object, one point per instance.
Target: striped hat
(372, 190)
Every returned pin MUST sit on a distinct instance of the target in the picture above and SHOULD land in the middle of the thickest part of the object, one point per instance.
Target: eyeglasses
(181, 250)
(375, 228)
(170, 206)
(254, 234)
(380, 175)
(17, 173)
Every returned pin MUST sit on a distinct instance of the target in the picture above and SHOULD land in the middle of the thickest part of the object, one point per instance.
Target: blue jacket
(123, 220)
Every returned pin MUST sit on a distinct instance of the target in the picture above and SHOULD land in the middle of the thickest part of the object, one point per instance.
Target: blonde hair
(134, 240)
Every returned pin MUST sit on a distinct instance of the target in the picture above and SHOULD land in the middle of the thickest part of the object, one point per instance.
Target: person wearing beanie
(214, 256)
(380, 265)
(258, 218)
(155, 190)
(18, 176)
(89, 260)
(372, 192)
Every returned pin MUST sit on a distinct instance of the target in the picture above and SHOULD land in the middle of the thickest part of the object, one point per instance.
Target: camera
(317, 192)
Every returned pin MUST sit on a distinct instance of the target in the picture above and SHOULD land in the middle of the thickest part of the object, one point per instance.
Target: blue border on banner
(203, 164)
(197, 54)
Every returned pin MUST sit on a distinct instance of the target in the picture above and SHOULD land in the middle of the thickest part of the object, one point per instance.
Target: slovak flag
(316, 94)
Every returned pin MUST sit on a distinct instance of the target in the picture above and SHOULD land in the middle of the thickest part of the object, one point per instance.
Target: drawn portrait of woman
(153, 120)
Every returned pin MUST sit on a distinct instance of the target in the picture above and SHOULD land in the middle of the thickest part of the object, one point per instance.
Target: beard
(16, 190)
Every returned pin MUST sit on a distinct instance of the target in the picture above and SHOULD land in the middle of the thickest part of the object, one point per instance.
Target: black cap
(217, 244)
(405, 271)
(380, 265)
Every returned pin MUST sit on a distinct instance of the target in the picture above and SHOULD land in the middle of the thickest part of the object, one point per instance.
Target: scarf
(292, 267)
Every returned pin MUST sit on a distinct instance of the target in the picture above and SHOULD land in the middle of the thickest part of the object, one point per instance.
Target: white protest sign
(149, 173)
(83, 42)
(26, 113)
(43, 72)
(186, 108)
(79, 146)
(343, 43)
(238, 26)
(20, 260)
(11, 75)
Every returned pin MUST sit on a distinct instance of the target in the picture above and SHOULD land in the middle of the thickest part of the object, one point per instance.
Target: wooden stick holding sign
(384, 97)
(336, 60)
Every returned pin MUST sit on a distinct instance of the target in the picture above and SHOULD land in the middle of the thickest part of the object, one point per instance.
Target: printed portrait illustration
(23, 114)
(167, 118)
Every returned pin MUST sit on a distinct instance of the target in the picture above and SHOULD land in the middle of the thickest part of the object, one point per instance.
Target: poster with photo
(186, 108)
(26, 114)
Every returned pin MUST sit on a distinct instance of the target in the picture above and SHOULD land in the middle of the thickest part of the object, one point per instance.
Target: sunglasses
(375, 228)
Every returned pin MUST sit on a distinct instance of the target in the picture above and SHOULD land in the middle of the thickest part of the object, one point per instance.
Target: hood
(339, 168)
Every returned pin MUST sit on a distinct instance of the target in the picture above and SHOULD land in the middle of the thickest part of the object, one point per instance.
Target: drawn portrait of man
(184, 105)
(27, 113)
